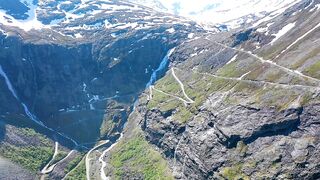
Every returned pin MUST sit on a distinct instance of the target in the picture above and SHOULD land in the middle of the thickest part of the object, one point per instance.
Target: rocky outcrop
(56, 81)
(253, 116)
(282, 146)
(252, 108)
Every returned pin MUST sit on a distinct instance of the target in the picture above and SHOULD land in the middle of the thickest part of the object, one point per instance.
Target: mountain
(154, 4)
(115, 89)
(234, 14)
(241, 105)
(73, 76)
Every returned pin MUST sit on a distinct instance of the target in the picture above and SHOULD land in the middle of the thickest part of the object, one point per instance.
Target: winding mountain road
(87, 159)
(190, 101)
(103, 163)
(47, 168)
(288, 70)
(288, 86)
(174, 96)
(296, 41)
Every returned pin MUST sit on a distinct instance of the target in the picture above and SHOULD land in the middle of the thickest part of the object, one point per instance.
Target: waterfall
(162, 66)
(10, 87)
(26, 110)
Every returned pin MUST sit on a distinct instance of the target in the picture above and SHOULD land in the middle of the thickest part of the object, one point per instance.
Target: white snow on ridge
(265, 29)
(30, 23)
(171, 30)
(78, 35)
(283, 31)
(275, 13)
(206, 12)
(190, 36)
(224, 10)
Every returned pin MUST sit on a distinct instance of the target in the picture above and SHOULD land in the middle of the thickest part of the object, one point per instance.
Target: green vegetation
(169, 84)
(183, 114)
(72, 164)
(239, 68)
(31, 133)
(231, 70)
(234, 172)
(200, 86)
(277, 97)
(107, 125)
(136, 156)
(302, 61)
(30, 157)
(59, 157)
(197, 86)
(314, 70)
(242, 148)
(79, 173)
(157, 98)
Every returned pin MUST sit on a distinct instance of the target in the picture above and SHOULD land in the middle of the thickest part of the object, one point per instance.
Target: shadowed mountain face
(66, 88)
(97, 89)
(75, 81)
(15, 8)
(89, 80)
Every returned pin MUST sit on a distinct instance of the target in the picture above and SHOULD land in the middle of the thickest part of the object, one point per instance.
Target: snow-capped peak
(221, 11)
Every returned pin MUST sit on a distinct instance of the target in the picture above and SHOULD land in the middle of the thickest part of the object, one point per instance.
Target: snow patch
(190, 36)
(78, 35)
(265, 29)
(171, 30)
(283, 31)
(30, 23)
(233, 59)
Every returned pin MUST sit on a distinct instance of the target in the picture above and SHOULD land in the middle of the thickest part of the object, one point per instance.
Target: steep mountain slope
(241, 105)
(88, 59)
(81, 96)
(74, 76)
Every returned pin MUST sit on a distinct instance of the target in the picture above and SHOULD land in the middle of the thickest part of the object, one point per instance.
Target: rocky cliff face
(76, 80)
(241, 105)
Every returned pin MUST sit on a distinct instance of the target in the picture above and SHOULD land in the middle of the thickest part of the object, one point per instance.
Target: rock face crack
(284, 128)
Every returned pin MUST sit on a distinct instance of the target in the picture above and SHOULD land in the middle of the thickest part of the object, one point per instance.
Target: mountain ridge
(130, 92)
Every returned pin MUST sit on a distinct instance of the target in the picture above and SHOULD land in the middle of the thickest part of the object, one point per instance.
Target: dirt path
(296, 41)
(174, 96)
(87, 158)
(190, 101)
(288, 70)
(288, 86)
(47, 168)
(103, 163)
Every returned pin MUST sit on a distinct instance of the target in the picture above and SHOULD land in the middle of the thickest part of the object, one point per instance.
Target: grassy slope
(200, 86)
(133, 156)
(29, 156)
(79, 173)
